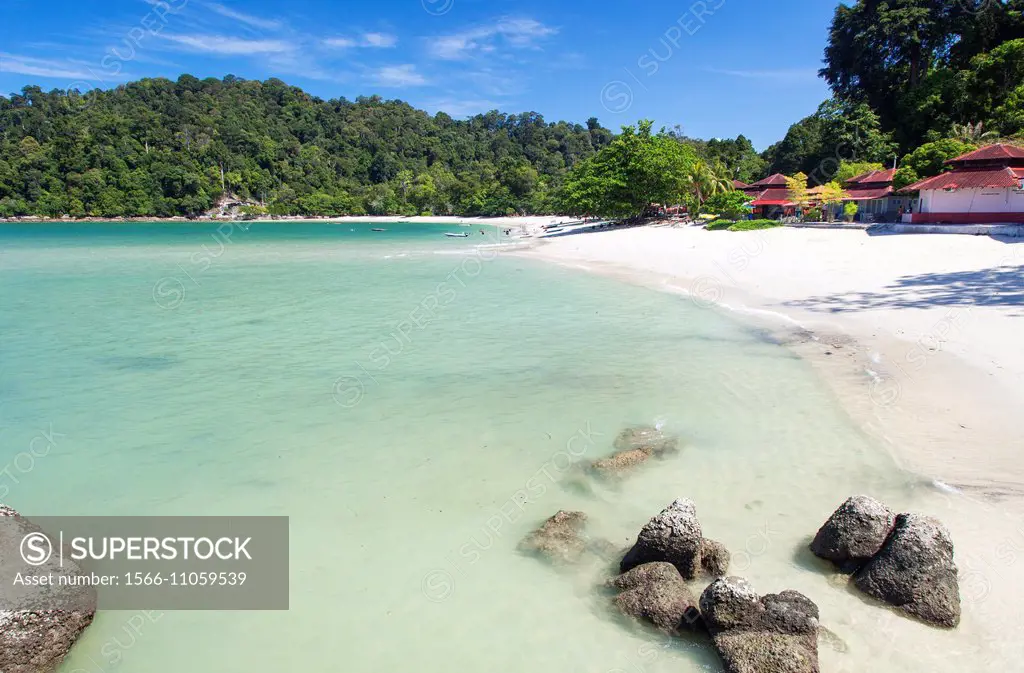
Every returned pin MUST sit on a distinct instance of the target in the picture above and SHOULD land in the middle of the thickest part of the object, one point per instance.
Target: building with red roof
(984, 187)
(875, 196)
(770, 197)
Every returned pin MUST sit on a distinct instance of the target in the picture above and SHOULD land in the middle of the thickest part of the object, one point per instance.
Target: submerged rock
(774, 634)
(656, 593)
(854, 533)
(673, 536)
(647, 438)
(559, 539)
(915, 572)
(36, 640)
(618, 463)
(714, 558)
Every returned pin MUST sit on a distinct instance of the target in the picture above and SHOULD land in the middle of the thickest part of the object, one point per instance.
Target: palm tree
(972, 133)
(706, 180)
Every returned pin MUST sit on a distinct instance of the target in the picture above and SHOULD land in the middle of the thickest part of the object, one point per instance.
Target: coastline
(917, 337)
(527, 222)
(931, 371)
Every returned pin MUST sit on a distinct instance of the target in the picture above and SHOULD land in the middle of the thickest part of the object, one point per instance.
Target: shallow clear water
(395, 394)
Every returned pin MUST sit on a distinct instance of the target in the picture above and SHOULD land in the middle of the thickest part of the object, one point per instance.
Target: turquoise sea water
(414, 403)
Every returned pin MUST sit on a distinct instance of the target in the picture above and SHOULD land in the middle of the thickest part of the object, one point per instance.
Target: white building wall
(973, 201)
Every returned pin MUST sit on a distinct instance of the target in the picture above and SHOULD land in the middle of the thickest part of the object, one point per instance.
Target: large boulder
(673, 536)
(650, 439)
(915, 572)
(854, 533)
(559, 539)
(774, 634)
(656, 593)
(36, 639)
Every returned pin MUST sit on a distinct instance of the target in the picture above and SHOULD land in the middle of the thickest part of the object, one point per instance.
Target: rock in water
(673, 536)
(36, 640)
(854, 533)
(647, 438)
(774, 634)
(714, 558)
(915, 571)
(559, 539)
(656, 593)
(620, 462)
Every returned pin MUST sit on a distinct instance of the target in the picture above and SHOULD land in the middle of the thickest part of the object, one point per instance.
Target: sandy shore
(919, 337)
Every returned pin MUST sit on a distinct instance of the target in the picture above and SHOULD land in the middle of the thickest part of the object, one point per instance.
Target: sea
(416, 404)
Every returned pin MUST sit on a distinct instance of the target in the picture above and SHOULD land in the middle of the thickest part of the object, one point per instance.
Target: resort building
(770, 197)
(983, 187)
(876, 199)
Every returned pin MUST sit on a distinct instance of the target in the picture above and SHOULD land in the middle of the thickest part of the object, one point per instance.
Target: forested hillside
(160, 148)
(912, 80)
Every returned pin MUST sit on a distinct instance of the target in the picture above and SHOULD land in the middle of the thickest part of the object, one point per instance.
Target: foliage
(923, 65)
(252, 212)
(972, 133)
(753, 225)
(796, 187)
(850, 209)
(637, 169)
(851, 169)
(719, 225)
(830, 194)
(730, 204)
(838, 132)
(159, 148)
(929, 160)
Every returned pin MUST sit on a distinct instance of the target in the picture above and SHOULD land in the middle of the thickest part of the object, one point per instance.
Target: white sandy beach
(919, 337)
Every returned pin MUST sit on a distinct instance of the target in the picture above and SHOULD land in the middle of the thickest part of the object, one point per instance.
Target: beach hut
(984, 187)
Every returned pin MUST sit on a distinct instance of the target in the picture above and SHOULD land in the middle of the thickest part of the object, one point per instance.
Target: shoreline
(943, 405)
(528, 222)
(920, 381)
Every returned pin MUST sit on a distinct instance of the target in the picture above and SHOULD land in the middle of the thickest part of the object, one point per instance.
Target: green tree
(637, 169)
(929, 160)
(730, 205)
(851, 169)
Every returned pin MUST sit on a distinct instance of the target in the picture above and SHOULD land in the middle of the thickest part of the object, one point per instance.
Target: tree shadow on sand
(998, 286)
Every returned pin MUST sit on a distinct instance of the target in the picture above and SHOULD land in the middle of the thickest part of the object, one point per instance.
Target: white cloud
(232, 46)
(381, 40)
(43, 67)
(254, 21)
(519, 33)
(399, 76)
(793, 74)
(373, 40)
(340, 42)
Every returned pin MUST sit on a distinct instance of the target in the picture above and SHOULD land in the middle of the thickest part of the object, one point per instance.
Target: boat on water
(378, 230)
(462, 235)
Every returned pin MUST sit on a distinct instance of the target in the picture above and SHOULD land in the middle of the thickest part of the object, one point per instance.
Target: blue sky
(716, 67)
